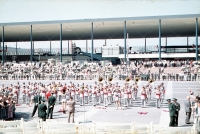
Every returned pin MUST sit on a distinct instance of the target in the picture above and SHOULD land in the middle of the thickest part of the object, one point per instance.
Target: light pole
(39, 52)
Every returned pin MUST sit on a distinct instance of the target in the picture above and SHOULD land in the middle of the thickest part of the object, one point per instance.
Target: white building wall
(47, 10)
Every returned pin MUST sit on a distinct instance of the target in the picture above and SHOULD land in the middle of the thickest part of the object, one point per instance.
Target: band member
(102, 95)
(24, 94)
(129, 97)
(94, 97)
(77, 94)
(81, 93)
(117, 100)
(109, 96)
(63, 100)
(158, 94)
(98, 96)
(86, 96)
(105, 96)
(51, 103)
(143, 97)
(134, 93)
(73, 91)
(162, 89)
(126, 97)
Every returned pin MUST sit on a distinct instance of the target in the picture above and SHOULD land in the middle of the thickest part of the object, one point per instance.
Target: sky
(45, 10)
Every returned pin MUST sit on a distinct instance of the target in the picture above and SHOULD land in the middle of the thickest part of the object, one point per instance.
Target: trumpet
(151, 81)
(110, 79)
(100, 79)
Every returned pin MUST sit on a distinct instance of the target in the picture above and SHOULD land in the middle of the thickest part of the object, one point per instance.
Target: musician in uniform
(86, 95)
(126, 97)
(105, 96)
(51, 103)
(158, 94)
(143, 97)
(172, 113)
(94, 96)
(178, 107)
(81, 93)
(42, 110)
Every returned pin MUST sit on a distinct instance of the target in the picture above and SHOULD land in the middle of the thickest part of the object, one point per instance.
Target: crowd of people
(88, 71)
(101, 94)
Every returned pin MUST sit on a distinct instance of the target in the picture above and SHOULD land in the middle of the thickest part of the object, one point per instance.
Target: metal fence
(54, 51)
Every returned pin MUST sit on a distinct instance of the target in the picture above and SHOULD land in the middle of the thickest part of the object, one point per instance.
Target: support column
(50, 48)
(16, 49)
(166, 44)
(68, 47)
(3, 53)
(31, 38)
(92, 43)
(145, 45)
(33, 48)
(159, 47)
(86, 46)
(105, 42)
(125, 49)
(60, 42)
(187, 43)
(197, 39)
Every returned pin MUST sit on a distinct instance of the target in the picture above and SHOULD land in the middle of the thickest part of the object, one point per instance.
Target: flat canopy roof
(104, 28)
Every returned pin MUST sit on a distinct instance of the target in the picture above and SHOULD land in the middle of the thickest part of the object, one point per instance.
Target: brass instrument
(128, 80)
(110, 79)
(151, 81)
(137, 79)
(100, 79)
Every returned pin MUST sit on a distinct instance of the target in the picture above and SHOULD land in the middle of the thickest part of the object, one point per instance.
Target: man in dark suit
(51, 103)
(172, 113)
(71, 109)
(42, 110)
(178, 107)
(37, 100)
(188, 110)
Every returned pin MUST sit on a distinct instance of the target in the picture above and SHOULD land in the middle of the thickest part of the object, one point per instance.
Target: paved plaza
(174, 89)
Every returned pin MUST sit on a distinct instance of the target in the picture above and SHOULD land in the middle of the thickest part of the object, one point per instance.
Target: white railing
(56, 127)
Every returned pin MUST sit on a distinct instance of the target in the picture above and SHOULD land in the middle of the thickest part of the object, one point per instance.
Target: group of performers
(99, 94)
